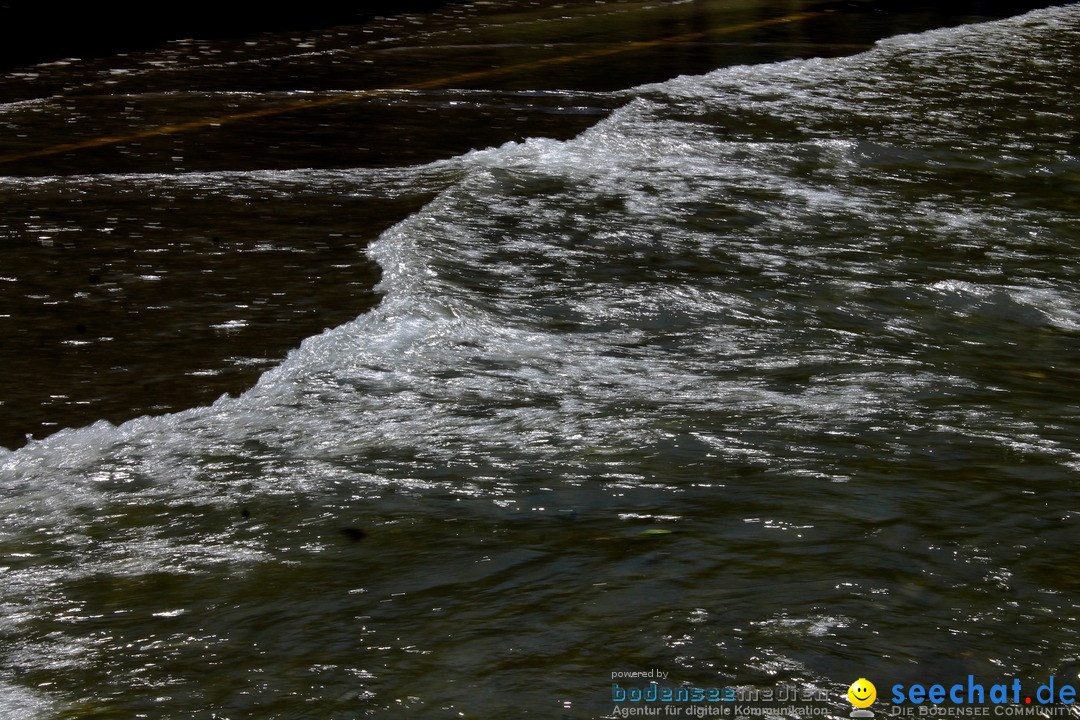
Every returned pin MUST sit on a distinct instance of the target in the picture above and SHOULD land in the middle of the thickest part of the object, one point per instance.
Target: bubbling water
(770, 364)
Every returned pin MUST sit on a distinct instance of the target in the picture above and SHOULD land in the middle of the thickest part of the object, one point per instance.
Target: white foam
(733, 261)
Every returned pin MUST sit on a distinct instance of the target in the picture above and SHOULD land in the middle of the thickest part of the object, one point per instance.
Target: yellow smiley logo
(862, 693)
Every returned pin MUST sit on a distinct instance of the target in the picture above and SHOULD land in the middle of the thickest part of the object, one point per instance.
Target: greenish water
(766, 381)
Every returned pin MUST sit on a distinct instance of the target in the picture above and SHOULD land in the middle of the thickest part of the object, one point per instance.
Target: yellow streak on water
(443, 82)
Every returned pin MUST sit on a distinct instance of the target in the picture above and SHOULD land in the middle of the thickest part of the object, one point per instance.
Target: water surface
(767, 379)
(148, 267)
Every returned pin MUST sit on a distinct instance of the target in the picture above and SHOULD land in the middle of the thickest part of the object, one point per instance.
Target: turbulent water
(767, 380)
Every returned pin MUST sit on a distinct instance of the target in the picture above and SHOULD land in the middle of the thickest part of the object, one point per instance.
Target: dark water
(137, 285)
(42, 32)
(765, 380)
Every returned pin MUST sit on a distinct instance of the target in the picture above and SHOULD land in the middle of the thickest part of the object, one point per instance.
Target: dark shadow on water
(35, 32)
